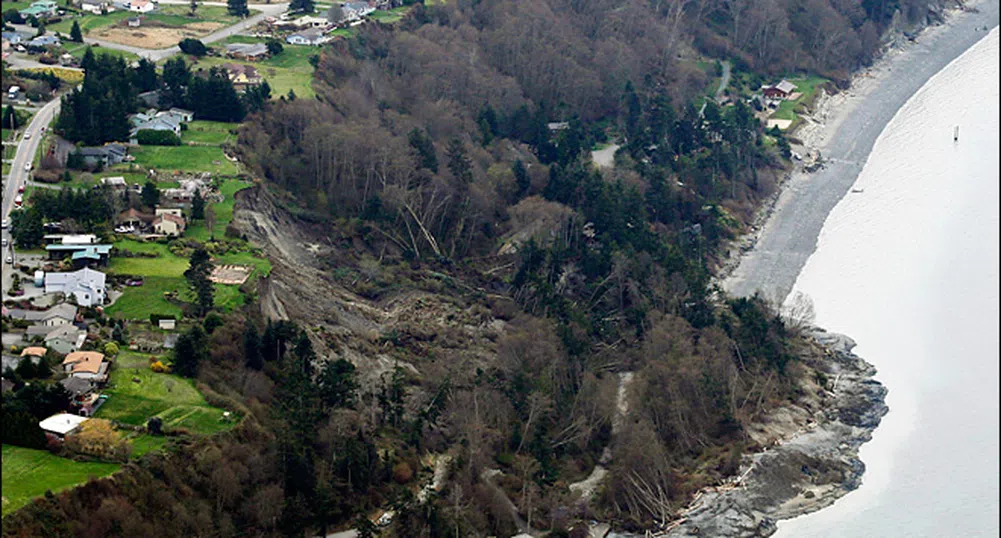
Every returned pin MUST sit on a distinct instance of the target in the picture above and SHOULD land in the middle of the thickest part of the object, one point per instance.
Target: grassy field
(171, 397)
(165, 264)
(168, 15)
(78, 50)
(28, 473)
(223, 212)
(141, 301)
(186, 158)
(209, 132)
(390, 16)
(283, 73)
(808, 87)
(89, 22)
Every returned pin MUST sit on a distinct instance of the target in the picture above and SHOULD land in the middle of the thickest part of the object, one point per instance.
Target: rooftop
(62, 423)
(85, 361)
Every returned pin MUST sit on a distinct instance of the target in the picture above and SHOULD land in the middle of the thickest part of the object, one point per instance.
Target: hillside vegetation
(463, 282)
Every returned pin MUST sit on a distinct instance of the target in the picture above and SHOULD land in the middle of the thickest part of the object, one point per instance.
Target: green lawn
(172, 398)
(141, 301)
(28, 473)
(223, 212)
(808, 87)
(78, 50)
(88, 22)
(143, 444)
(345, 32)
(188, 158)
(390, 16)
(209, 132)
(177, 15)
(282, 73)
(166, 264)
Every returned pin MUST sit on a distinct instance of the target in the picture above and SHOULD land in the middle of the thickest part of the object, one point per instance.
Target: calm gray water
(909, 269)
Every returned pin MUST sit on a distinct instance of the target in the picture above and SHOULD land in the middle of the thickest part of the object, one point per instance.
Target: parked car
(134, 282)
(4, 224)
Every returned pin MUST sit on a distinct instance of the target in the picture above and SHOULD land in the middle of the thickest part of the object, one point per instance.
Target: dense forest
(460, 135)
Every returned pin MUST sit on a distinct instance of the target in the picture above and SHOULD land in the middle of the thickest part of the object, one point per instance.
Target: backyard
(289, 70)
(183, 158)
(807, 87)
(28, 473)
(172, 398)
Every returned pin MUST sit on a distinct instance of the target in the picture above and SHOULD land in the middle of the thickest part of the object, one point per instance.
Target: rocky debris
(810, 470)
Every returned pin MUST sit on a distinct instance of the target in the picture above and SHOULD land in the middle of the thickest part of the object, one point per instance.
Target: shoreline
(816, 465)
(843, 128)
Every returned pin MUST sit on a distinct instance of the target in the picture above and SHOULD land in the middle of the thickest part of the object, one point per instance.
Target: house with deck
(87, 286)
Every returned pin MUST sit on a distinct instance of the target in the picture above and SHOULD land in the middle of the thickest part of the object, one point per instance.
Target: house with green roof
(40, 8)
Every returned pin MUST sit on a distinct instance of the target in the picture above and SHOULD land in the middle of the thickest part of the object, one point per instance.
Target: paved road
(266, 10)
(18, 177)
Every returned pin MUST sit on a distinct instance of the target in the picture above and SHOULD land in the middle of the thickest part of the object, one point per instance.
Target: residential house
(176, 211)
(86, 285)
(11, 37)
(81, 254)
(89, 365)
(134, 22)
(67, 60)
(106, 155)
(149, 99)
(356, 10)
(65, 339)
(177, 196)
(247, 51)
(34, 351)
(782, 90)
(309, 21)
(61, 314)
(141, 6)
(61, 425)
(69, 239)
(77, 386)
(83, 399)
(133, 217)
(44, 41)
(169, 225)
(310, 36)
(241, 75)
(184, 116)
(12, 362)
(166, 122)
(40, 9)
(97, 7)
(115, 182)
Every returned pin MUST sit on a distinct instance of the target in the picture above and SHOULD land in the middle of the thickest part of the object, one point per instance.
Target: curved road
(266, 10)
(18, 176)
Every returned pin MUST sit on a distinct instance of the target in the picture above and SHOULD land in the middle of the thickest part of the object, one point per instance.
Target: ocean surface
(908, 268)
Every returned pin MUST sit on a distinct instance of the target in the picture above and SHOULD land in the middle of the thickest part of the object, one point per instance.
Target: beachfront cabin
(782, 90)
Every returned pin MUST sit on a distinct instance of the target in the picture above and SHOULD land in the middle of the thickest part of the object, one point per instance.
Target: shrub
(111, 349)
(193, 47)
(149, 137)
(159, 367)
(402, 473)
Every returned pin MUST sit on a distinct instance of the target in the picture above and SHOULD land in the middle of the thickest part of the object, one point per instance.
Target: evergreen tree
(237, 8)
(190, 350)
(197, 206)
(458, 162)
(252, 352)
(521, 177)
(176, 77)
(291, 94)
(144, 76)
(10, 118)
(338, 387)
(193, 6)
(150, 194)
(424, 148)
(75, 34)
(26, 227)
(214, 98)
(197, 275)
(302, 6)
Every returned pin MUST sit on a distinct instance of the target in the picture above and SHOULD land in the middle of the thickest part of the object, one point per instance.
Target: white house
(62, 424)
(310, 36)
(169, 225)
(141, 6)
(86, 285)
(97, 6)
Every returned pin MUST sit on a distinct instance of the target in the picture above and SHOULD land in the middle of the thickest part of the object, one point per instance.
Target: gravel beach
(844, 129)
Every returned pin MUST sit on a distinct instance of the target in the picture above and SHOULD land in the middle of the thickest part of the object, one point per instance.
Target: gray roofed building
(165, 122)
(65, 339)
(107, 155)
(77, 385)
(60, 314)
(249, 51)
(86, 285)
(149, 99)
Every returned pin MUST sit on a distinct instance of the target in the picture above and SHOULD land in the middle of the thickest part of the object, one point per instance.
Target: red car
(20, 188)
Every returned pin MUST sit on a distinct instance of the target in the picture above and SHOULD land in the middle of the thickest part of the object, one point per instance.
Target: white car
(27, 136)
(4, 224)
(27, 167)
(5, 241)
(10, 259)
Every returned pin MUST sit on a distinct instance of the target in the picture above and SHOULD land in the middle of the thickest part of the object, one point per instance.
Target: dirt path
(605, 158)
